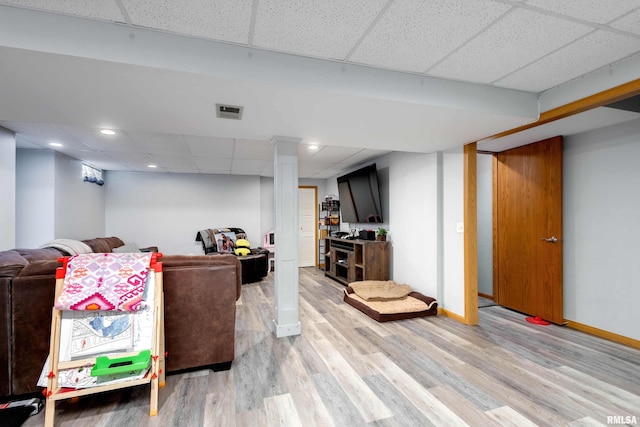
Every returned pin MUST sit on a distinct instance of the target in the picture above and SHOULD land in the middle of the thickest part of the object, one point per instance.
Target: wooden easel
(155, 376)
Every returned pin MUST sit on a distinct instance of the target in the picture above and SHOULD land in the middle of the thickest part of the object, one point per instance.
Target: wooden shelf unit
(353, 260)
(328, 222)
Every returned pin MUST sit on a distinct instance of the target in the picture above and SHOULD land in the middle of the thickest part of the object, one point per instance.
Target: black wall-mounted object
(360, 196)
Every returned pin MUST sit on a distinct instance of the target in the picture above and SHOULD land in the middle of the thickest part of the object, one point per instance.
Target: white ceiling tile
(331, 171)
(156, 170)
(213, 164)
(174, 161)
(253, 149)
(363, 156)
(327, 28)
(589, 10)
(629, 23)
(180, 170)
(88, 155)
(24, 143)
(160, 142)
(215, 19)
(114, 167)
(249, 166)
(571, 62)
(306, 154)
(44, 134)
(518, 39)
(311, 168)
(331, 154)
(95, 9)
(131, 159)
(121, 141)
(522, 49)
(209, 146)
(413, 35)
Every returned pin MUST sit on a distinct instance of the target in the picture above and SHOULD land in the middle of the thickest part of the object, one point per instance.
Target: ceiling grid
(502, 47)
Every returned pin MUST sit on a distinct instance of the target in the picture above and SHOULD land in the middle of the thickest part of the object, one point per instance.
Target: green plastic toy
(107, 366)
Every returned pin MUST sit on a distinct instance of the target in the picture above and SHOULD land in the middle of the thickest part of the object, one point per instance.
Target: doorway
(527, 243)
(307, 223)
(495, 143)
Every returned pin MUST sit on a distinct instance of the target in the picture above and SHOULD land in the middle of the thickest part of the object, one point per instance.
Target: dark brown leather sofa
(200, 307)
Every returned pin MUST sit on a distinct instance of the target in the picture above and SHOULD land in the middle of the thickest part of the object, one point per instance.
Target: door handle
(552, 239)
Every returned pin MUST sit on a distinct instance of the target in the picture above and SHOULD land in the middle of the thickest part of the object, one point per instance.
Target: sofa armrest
(200, 315)
(32, 297)
(207, 260)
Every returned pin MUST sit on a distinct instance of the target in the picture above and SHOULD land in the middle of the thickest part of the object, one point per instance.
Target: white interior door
(307, 223)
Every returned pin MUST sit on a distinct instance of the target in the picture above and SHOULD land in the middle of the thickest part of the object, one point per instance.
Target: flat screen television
(359, 195)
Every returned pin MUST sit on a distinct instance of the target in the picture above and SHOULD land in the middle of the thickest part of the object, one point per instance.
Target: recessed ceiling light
(55, 144)
(107, 132)
(313, 147)
(152, 166)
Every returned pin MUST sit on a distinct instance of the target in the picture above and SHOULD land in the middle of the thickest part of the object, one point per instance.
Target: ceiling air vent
(229, 111)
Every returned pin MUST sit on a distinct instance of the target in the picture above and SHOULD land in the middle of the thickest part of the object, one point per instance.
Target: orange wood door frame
(470, 234)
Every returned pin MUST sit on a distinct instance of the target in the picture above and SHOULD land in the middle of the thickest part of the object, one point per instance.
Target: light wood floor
(348, 370)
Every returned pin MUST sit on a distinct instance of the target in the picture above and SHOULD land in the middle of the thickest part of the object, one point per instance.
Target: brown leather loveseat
(200, 306)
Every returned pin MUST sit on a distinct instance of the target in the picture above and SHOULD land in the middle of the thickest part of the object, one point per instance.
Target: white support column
(287, 321)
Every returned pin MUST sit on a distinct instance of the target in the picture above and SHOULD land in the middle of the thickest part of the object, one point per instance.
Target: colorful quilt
(105, 281)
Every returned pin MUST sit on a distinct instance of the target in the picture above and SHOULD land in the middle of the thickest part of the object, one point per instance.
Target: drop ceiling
(360, 78)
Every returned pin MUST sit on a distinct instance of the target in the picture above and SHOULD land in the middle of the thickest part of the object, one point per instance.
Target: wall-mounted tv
(360, 196)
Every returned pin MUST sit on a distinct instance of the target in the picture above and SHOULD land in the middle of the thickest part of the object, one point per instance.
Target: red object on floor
(538, 320)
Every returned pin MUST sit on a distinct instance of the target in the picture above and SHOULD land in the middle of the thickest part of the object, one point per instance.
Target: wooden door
(528, 241)
(308, 225)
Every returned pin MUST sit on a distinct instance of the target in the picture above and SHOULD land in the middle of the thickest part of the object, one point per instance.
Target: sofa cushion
(40, 268)
(11, 262)
(101, 245)
(169, 261)
(40, 254)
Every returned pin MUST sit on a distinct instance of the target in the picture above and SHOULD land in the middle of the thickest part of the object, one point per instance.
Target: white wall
(412, 220)
(453, 242)
(601, 229)
(409, 191)
(167, 210)
(52, 201)
(35, 197)
(79, 205)
(7, 189)
(320, 183)
(485, 224)
(267, 219)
